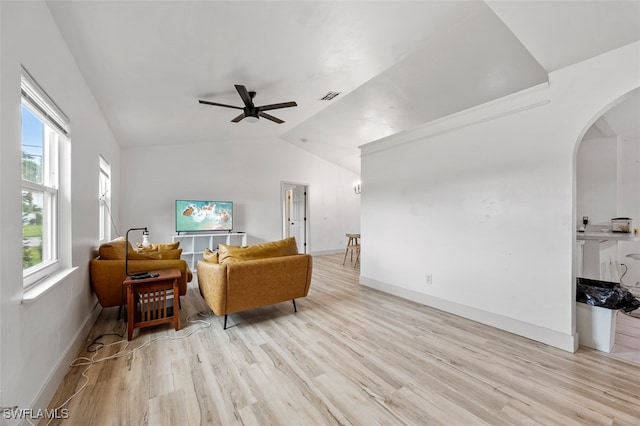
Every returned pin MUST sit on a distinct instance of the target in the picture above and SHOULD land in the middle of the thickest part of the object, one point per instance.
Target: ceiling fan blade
(238, 118)
(244, 94)
(277, 106)
(217, 104)
(270, 117)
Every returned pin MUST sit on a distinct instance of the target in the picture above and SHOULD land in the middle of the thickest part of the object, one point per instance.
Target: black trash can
(605, 294)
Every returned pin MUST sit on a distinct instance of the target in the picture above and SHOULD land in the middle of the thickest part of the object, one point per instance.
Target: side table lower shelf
(153, 301)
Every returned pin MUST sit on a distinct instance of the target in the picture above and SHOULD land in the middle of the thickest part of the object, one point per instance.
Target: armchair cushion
(113, 250)
(159, 247)
(117, 249)
(210, 256)
(229, 254)
(164, 254)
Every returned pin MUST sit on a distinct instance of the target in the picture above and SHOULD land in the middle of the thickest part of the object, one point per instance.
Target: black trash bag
(605, 294)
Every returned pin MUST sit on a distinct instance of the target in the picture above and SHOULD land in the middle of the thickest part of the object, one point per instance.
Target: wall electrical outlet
(429, 279)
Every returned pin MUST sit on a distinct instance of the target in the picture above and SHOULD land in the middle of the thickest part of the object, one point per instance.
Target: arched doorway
(607, 185)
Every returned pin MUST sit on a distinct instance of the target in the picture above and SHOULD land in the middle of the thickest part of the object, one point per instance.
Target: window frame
(55, 132)
(104, 198)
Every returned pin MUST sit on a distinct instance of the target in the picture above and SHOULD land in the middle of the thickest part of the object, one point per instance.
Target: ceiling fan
(250, 111)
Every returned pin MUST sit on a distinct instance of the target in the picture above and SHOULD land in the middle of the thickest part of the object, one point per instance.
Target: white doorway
(295, 222)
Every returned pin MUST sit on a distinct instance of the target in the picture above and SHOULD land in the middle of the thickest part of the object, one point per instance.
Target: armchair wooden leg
(225, 322)
(295, 309)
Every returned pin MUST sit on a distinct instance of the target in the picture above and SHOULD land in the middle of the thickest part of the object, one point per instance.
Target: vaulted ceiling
(394, 64)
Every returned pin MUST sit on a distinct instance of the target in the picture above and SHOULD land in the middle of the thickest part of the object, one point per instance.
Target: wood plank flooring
(627, 342)
(349, 356)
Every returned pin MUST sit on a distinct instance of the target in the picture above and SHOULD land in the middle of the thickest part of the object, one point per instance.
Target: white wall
(39, 338)
(249, 173)
(629, 175)
(597, 181)
(629, 202)
(484, 201)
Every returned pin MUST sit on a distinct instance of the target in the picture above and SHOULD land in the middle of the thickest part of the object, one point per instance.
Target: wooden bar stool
(353, 245)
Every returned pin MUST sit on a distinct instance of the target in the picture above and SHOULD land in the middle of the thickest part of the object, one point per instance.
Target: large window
(44, 127)
(104, 195)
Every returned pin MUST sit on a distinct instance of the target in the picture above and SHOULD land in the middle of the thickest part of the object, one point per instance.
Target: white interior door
(295, 214)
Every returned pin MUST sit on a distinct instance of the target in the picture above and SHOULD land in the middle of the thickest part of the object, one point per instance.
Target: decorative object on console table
(150, 300)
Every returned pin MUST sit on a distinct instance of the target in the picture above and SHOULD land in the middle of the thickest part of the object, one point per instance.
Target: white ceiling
(396, 64)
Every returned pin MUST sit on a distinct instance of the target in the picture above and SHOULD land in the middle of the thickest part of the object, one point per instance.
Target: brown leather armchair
(241, 278)
(107, 271)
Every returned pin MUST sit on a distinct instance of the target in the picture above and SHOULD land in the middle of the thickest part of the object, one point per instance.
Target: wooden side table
(149, 300)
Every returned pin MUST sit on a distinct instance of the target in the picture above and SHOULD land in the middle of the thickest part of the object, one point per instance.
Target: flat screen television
(203, 216)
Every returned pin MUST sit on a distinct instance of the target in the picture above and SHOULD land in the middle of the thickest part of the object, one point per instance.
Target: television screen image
(194, 215)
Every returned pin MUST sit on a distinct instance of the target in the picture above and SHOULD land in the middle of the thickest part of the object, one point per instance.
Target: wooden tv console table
(152, 301)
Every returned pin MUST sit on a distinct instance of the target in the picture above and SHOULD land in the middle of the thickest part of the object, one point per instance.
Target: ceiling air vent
(329, 96)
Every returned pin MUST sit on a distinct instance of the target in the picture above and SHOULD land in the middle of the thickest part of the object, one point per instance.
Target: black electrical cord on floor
(101, 345)
(89, 362)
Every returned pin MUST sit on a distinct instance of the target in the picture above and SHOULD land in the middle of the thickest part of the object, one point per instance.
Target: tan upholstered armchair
(240, 278)
(107, 270)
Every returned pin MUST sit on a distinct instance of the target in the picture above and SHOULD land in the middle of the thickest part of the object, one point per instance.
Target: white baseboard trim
(54, 380)
(540, 334)
(324, 252)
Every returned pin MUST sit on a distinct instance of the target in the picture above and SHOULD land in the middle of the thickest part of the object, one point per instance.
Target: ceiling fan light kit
(251, 112)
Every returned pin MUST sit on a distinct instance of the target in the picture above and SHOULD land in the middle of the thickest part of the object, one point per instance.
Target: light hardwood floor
(349, 356)
(627, 341)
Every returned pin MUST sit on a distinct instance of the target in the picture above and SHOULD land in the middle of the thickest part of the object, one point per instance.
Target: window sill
(34, 292)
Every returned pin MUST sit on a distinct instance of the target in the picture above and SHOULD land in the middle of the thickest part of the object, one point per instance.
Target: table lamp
(126, 257)
(145, 238)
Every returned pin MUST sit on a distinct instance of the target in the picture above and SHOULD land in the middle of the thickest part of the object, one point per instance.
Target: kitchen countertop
(607, 236)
